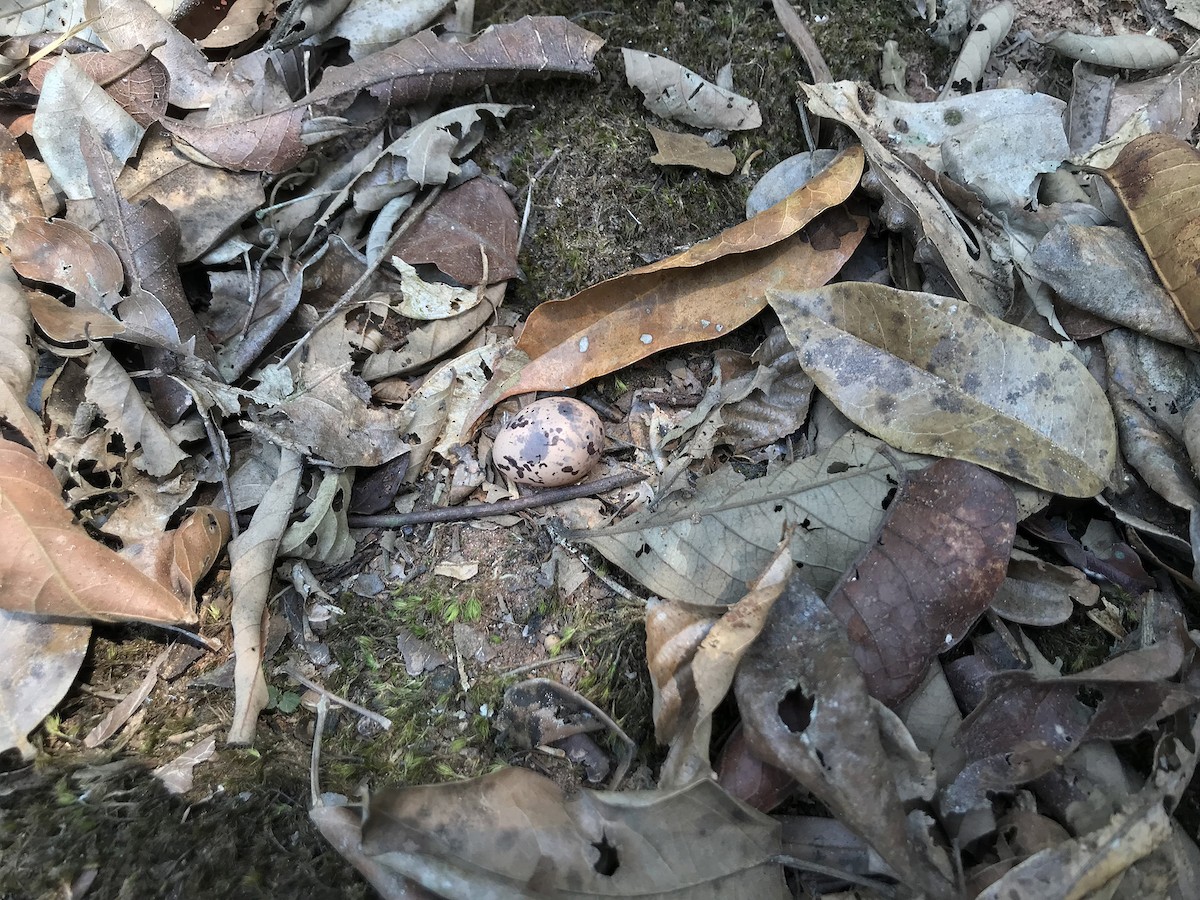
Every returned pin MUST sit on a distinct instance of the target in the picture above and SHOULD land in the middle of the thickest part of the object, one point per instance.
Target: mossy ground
(599, 209)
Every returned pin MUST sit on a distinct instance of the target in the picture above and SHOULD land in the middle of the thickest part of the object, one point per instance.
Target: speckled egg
(549, 443)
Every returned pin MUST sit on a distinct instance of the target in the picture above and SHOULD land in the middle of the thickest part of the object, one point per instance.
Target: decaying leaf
(39, 660)
(931, 573)
(807, 712)
(690, 150)
(1040, 593)
(708, 546)
(675, 92)
(140, 85)
(52, 568)
(514, 832)
(933, 375)
(1157, 178)
(371, 26)
(179, 558)
(697, 295)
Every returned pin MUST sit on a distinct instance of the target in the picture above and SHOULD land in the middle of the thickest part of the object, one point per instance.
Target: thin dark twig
(546, 497)
(347, 298)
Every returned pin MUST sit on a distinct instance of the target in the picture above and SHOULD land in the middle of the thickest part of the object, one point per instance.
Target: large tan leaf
(697, 295)
(18, 194)
(1157, 178)
(51, 567)
(930, 374)
(707, 547)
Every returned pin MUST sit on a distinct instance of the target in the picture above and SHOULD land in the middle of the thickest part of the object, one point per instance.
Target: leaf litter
(253, 314)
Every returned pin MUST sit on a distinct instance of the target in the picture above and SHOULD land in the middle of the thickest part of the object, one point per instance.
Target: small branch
(383, 721)
(799, 34)
(546, 497)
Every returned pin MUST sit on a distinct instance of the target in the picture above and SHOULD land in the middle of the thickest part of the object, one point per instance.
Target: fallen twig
(799, 34)
(546, 497)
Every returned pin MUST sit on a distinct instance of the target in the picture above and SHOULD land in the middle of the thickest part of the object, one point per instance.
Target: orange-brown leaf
(51, 567)
(697, 295)
(1157, 178)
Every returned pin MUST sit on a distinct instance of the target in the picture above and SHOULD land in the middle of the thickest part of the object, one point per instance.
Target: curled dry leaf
(252, 555)
(179, 558)
(268, 143)
(692, 662)
(675, 92)
(1121, 51)
(1157, 178)
(930, 575)
(470, 233)
(697, 295)
(52, 568)
(929, 374)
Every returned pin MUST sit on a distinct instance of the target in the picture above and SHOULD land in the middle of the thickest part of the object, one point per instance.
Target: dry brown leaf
(1157, 178)
(18, 194)
(698, 295)
(134, 78)
(72, 324)
(267, 143)
(57, 252)
(930, 575)
(52, 568)
(467, 223)
(690, 150)
(423, 68)
(178, 559)
(688, 689)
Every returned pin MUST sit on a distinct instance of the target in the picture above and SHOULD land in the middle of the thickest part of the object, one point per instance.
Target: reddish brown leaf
(133, 78)
(178, 559)
(939, 560)
(50, 566)
(146, 238)
(698, 295)
(268, 143)
(60, 253)
(423, 68)
(467, 222)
